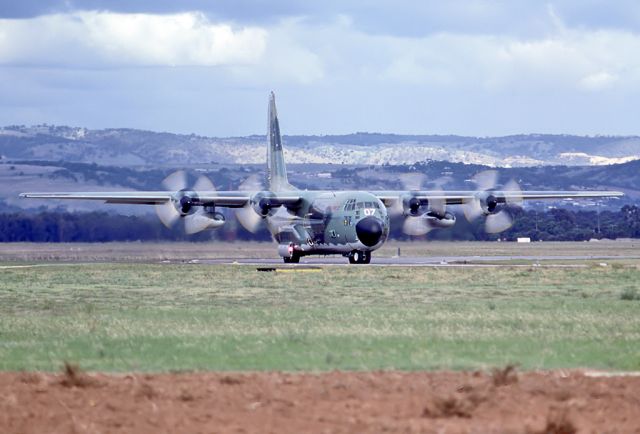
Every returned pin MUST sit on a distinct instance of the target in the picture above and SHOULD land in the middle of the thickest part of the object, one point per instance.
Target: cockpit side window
(349, 205)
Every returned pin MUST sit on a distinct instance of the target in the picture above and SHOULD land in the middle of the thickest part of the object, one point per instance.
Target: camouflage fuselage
(327, 222)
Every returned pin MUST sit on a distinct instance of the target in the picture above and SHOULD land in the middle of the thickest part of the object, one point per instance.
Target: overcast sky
(473, 67)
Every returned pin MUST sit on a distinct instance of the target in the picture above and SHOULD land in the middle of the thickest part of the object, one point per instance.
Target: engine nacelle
(262, 202)
(490, 204)
(184, 202)
(214, 220)
(440, 221)
(412, 206)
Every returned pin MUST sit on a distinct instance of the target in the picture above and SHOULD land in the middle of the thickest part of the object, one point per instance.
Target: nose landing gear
(359, 257)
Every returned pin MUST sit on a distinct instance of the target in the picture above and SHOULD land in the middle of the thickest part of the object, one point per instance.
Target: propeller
(167, 212)
(247, 215)
(420, 225)
(416, 224)
(485, 202)
(203, 184)
(412, 182)
(181, 205)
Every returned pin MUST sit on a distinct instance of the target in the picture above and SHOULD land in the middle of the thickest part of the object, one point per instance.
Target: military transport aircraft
(351, 223)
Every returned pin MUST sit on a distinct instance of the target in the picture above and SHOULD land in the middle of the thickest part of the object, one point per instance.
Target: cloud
(332, 73)
(103, 39)
(597, 81)
(91, 39)
(288, 57)
(306, 52)
(572, 59)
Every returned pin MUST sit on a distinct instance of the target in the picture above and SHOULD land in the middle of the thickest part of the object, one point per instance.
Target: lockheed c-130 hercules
(305, 222)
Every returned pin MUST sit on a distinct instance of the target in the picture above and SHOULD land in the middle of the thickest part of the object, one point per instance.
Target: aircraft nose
(369, 231)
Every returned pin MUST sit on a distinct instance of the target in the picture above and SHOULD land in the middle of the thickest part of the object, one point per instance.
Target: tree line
(553, 225)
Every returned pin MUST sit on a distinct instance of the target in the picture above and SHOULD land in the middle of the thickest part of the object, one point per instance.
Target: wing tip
(37, 195)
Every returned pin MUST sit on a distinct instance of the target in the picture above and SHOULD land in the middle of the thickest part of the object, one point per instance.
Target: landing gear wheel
(293, 259)
(359, 257)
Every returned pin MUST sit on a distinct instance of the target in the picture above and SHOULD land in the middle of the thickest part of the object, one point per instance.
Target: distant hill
(32, 175)
(128, 147)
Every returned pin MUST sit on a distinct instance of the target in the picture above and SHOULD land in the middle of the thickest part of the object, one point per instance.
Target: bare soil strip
(497, 401)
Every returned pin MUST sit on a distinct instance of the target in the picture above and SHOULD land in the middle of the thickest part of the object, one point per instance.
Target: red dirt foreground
(272, 402)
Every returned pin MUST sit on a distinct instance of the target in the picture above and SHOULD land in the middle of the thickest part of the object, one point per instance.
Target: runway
(433, 254)
(425, 261)
(563, 261)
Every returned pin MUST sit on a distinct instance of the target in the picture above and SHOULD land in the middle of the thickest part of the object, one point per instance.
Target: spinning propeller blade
(419, 225)
(496, 223)
(415, 226)
(502, 220)
(168, 212)
(513, 187)
(203, 184)
(176, 181)
(198, 221)
(413, 181)
(486, 180)
(194, 223)
(246, 215)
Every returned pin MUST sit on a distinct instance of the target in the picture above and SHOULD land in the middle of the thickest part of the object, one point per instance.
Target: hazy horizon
(383, 133)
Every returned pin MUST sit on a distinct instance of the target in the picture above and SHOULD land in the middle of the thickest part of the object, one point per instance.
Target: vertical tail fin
(276, 169)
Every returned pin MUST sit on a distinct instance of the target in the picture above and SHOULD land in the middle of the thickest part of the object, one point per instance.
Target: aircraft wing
(136, 198)
(229, 199)
(461, 197)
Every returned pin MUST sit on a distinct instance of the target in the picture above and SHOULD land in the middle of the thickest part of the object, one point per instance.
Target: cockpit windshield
(350, 205)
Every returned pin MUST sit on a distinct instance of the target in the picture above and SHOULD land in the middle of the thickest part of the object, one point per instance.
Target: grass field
(160, 317)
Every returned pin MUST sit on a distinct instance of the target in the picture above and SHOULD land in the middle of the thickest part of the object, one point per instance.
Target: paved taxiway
(567, 261)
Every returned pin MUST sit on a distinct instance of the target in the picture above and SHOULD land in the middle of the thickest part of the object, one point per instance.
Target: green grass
(121, 317)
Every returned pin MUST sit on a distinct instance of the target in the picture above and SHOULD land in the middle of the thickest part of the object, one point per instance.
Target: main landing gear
(293, 259)
(359, 257)
(289, 253)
